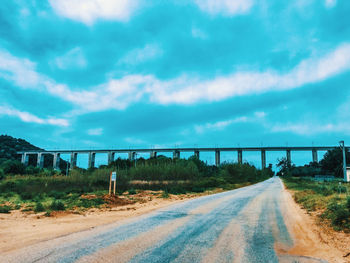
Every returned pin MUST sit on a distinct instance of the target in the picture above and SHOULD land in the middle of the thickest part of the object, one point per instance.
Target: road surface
(243, 225)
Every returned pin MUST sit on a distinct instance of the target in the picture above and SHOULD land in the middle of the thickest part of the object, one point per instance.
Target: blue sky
(163, 73)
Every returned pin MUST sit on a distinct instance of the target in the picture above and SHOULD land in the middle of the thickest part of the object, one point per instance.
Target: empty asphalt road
(243, 225)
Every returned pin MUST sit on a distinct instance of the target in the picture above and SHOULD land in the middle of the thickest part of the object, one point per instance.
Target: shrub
(48, 213)
(13, 167)
(26, 195)
(2, 174)
(39, 207)
(197, 189)
(57, 195)
(325, 190)
(338, 214)
(132, 191)
(165, 194)
(5, 209)
(57, 205)
(32, 170)
(177, 189)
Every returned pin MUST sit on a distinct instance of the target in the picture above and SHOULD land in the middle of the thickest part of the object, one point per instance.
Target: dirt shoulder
(19, 229)
(313, 238)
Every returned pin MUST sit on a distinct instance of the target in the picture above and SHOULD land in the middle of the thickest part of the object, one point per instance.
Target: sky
(133, 73)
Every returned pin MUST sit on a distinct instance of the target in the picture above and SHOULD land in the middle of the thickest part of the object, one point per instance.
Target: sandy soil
(19, 229)
(312, 237)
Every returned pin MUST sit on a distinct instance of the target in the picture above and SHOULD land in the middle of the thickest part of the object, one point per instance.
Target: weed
(165, 194)
(48, 213)
(39, 207)
(57, 205)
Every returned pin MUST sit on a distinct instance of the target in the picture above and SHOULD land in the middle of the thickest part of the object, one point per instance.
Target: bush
(325, 190)
(338, 213)
(2, 174)
(165, 194)
(39, 207)
(57, 205)
(5, 209)
(32, 170)
(13, 167)
(57, 195)
(27, 195)
(132, 191)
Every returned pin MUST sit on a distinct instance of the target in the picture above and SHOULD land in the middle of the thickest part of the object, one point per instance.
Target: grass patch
(330, 199)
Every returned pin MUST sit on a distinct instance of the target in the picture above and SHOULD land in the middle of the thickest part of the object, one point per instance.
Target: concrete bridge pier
(240, 156)
(176, 154)
(263, 159)
(314, 156)
(132, 156)
(73, 160)
(25, 159)
(153, 154)
(91, 163)
(56, 161)
(196, 154)
(111, 157)
(289, 156)
(40, 160)
(217, 158)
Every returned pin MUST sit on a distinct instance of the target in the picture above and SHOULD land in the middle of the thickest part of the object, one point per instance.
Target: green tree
(12, 167)
(285, 167)
(332, 162)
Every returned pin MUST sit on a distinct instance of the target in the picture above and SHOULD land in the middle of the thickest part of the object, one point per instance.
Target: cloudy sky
(135, 73)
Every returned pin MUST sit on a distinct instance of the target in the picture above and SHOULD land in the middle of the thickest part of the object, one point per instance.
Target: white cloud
(134, 141)
(95, 132)
(120, 93)
(260, 114)
(72, 59)
(225, 7)
(309, 128)
(220, 125)
(330, 3)
(88, 11)
(20, 71)
(28, 117)
(187, 91)
(140, 55)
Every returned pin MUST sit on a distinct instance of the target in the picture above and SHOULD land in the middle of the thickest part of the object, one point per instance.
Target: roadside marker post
(112, 178)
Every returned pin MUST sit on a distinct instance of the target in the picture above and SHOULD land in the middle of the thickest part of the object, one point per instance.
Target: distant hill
(10, 145)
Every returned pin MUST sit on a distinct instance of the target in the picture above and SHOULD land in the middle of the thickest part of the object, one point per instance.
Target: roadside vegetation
(328, 200)
(46, 190)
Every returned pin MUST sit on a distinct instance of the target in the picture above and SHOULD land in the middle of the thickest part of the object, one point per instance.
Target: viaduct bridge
(176, 153)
